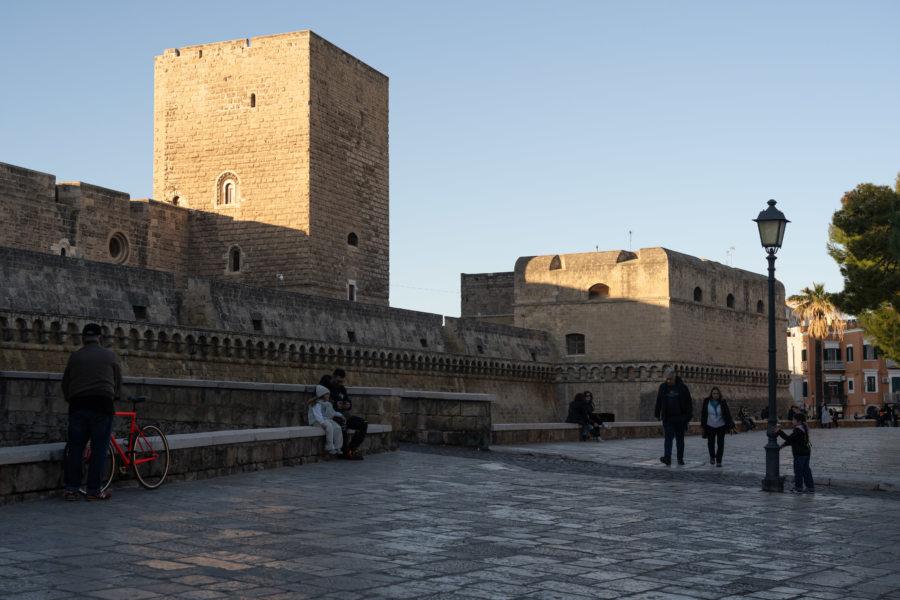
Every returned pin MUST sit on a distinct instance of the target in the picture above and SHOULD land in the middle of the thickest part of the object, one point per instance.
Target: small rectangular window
(257, 324)
(803, 354)
(871, 384)
(351, 336)
(849, 353)
(351, 291)
(850, 386)
(806, 389)
(575, 344)
(140, 312)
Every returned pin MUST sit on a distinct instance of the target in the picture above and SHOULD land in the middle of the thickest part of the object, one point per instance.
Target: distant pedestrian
(825, 417)
(744, 417)
(321, 414)
(764, 413)
(91, 383)
(802, 449)
(580, 414)
(791, 412)
(715, 418)
(674, 407)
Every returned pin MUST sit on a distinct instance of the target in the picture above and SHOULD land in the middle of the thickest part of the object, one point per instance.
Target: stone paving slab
(452, 524)
(866, 458)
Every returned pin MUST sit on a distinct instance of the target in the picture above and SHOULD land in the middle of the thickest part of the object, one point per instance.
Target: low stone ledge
(30, 472)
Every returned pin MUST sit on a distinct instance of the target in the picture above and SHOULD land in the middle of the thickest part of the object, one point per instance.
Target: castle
(264, 257)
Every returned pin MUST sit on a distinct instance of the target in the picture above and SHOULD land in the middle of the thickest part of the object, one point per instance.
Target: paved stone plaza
(600, 520)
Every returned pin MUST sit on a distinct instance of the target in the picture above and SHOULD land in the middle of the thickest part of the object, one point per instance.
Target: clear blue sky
(519, 128)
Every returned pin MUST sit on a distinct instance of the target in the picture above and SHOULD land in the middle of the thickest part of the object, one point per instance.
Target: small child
(322, 413)
(799, 443)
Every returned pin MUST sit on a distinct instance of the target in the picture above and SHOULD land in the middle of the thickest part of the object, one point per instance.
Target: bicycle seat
(137, 399)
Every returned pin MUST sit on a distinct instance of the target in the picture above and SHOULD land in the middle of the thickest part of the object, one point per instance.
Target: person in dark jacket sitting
(674, 407)
(580, 413)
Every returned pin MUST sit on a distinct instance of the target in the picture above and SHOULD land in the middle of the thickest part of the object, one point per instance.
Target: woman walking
(715, 418)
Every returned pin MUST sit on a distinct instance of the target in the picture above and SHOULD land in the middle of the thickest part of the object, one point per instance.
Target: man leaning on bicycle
(91, 382)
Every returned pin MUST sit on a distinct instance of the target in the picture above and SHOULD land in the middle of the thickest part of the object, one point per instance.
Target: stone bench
(28, 472)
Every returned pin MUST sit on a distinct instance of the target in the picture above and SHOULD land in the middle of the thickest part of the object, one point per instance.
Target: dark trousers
(359, 426)
(84, 426)
(715, 441)
(674, 428)
(802, 473)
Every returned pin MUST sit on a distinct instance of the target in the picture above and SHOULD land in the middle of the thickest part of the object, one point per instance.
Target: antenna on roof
(629, 240)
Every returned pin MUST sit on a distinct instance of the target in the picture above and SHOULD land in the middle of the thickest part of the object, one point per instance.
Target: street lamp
(771, 223)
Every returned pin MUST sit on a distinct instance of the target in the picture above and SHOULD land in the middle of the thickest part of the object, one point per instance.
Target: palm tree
(814, 308)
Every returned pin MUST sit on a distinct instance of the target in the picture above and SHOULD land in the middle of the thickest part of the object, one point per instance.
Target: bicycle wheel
(109, 470)
(151, 456)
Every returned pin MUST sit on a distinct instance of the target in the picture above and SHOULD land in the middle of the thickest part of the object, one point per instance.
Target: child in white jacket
(321, 413)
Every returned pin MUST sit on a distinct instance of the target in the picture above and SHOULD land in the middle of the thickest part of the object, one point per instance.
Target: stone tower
(278, 145)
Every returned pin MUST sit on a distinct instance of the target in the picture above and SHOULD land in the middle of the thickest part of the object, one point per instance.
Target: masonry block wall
(280, 145)
(79, 220)
(488, 296)
(633, 314)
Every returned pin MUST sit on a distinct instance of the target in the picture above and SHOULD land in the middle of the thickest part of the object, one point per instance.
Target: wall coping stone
(275, 387)
(54, 452)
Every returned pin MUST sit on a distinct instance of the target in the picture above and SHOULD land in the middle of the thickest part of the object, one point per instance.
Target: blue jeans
(84, 426)
(802, 473)
(674, 429)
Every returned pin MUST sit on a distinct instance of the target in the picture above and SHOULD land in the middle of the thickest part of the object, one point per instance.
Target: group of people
(92, 381)
(675, 408)
(330, 410)
(581, 412)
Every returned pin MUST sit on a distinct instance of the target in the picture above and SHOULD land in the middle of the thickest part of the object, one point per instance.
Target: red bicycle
(147, 452)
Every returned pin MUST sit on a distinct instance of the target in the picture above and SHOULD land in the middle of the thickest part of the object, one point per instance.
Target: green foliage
(883, 325)
(864, 239)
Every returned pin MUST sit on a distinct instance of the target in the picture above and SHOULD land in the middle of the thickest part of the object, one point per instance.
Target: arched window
(574, 344)
(598, 291)
(353, 239)
(760, 307)
(698, 295)
(729, 301)
(234, 260)
(228, 188)
(555, 263)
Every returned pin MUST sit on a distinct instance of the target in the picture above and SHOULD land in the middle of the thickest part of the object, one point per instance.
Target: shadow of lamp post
(771, 223)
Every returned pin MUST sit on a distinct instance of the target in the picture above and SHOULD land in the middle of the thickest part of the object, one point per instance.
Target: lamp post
(771, 223)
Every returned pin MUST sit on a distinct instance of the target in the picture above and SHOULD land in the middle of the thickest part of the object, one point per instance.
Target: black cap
(91, 330)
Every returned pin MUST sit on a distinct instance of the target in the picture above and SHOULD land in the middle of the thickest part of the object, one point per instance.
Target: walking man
(342, 404)
(675, 407)
(91, 382)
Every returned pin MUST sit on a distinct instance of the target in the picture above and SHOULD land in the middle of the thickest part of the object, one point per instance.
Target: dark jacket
(92, 379)
(579, 412)
(684, 400)
(798, 440)
(339, 396)
(726, 413)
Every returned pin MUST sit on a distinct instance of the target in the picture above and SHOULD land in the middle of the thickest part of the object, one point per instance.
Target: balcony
(834, 365)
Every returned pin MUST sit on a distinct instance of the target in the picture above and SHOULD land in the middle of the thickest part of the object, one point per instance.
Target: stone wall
(299, 130)
(32, 409)
(488, 296)
(79, 220)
